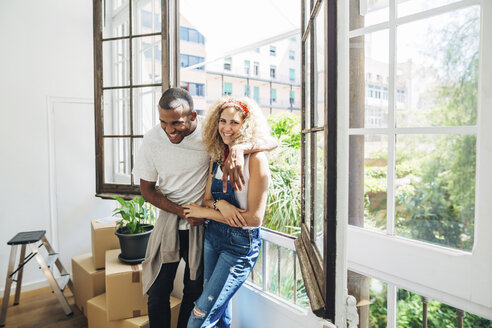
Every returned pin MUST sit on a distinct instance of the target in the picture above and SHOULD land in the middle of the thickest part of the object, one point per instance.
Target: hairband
(234, 104)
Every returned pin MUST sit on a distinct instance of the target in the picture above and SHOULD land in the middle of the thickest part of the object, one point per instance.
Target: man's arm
(156, 198)
(233, 166)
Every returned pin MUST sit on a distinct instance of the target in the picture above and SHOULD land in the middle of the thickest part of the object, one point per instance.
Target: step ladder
(34, 240)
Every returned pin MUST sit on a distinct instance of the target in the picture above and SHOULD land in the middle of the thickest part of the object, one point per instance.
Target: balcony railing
(277, 270)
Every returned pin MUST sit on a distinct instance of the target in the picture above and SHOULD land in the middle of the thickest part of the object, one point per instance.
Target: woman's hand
(233, 169)
(231, 214)
(194, 211)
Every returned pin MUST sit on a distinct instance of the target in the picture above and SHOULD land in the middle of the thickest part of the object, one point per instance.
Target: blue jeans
(158, 301)
(229, 257)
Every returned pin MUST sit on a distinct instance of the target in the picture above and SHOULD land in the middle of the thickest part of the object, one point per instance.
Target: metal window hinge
(352, 315)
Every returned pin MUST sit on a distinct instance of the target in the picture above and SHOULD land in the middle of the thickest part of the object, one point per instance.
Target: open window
(417, 129)
(131, 68)
(320, 247)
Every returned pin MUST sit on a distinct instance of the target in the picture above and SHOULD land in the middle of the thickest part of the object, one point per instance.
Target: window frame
(256, 93)
(455, 277)
(292, 54)
(292, 74)
(273, 71)
(325, 277)
(227, 63)
(168, 73)
(227, 88)
(273, 94)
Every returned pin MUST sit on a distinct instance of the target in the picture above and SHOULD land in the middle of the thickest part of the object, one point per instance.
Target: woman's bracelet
(215, 202)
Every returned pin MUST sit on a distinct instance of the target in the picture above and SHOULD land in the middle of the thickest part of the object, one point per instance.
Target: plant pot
(133, 246)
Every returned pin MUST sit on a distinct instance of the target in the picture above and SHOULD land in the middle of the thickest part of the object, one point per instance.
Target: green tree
(439, 207)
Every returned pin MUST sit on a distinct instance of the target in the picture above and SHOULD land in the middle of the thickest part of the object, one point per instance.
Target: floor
(40, 308)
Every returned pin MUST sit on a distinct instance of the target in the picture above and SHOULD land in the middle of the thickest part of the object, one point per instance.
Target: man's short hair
(173, 98)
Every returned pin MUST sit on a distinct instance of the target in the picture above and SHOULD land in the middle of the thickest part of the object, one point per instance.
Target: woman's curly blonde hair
(254, 126)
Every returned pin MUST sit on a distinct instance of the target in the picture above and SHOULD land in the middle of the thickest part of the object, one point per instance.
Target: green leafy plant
(136, 215)
(284, 195)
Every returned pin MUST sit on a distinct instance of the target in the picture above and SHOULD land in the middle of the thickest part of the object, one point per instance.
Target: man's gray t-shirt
(180, 170)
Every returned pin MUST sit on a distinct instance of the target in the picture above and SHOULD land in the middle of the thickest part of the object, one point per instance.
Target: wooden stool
(31, 238)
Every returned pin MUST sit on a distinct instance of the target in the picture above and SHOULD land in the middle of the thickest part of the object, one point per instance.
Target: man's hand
(233, 169)
(192, 214)
(195, 221)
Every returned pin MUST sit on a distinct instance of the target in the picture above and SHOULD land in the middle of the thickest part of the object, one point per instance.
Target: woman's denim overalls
(229, 257)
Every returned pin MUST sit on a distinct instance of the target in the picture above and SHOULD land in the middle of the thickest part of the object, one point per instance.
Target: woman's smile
(230, 122)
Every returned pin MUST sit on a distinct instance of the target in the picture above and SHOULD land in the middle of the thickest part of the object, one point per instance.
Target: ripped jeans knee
(197, 313)
(197, 317)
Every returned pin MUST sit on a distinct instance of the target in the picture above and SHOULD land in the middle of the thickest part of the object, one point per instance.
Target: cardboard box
(87, 281)
(124, 288)
(97, 315)
(103, 238)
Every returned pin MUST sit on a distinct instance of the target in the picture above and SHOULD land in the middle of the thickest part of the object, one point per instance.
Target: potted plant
(134, 228)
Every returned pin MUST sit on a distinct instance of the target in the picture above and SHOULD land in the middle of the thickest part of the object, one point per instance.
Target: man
(173, 155)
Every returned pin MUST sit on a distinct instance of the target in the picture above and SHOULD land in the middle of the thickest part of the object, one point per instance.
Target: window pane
(117, 160)
(145, 109)
(284, 196)
(115, 18)
(406, 7)
(146, 16)
(292, 54)
(137, 142)
(368, 181)
(257, 274)
(371, 296)
(410, 309)
(287, 279)
(319, 68)
(368, 12)
(435, 189)
(369, 63)
(147, 60)
(116, 112)
(307, 13)
(437, 79)
(307, 179)
(195, 80)
(116, 59)
(183, 33)
(227, 88)
(319, 190)
(292, 74)
(307, 84)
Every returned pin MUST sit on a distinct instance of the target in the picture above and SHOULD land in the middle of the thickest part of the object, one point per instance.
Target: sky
(232, 24)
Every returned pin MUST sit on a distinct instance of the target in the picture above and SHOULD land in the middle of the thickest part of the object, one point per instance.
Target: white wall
(46, 127)
(252, 309)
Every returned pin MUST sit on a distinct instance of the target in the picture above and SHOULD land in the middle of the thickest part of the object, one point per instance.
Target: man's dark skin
(177, 124)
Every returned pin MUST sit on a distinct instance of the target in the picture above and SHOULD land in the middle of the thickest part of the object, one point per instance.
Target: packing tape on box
(136, 313)
(135, 274)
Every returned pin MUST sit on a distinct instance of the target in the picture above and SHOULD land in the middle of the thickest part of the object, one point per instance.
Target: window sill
(107, 195)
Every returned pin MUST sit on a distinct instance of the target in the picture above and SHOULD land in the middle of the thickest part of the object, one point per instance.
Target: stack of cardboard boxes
(108, 291)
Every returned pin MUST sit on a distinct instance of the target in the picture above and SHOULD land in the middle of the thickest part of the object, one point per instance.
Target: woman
(232, 240)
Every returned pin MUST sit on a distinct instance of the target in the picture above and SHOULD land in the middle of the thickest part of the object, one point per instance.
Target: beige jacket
(163, 247)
